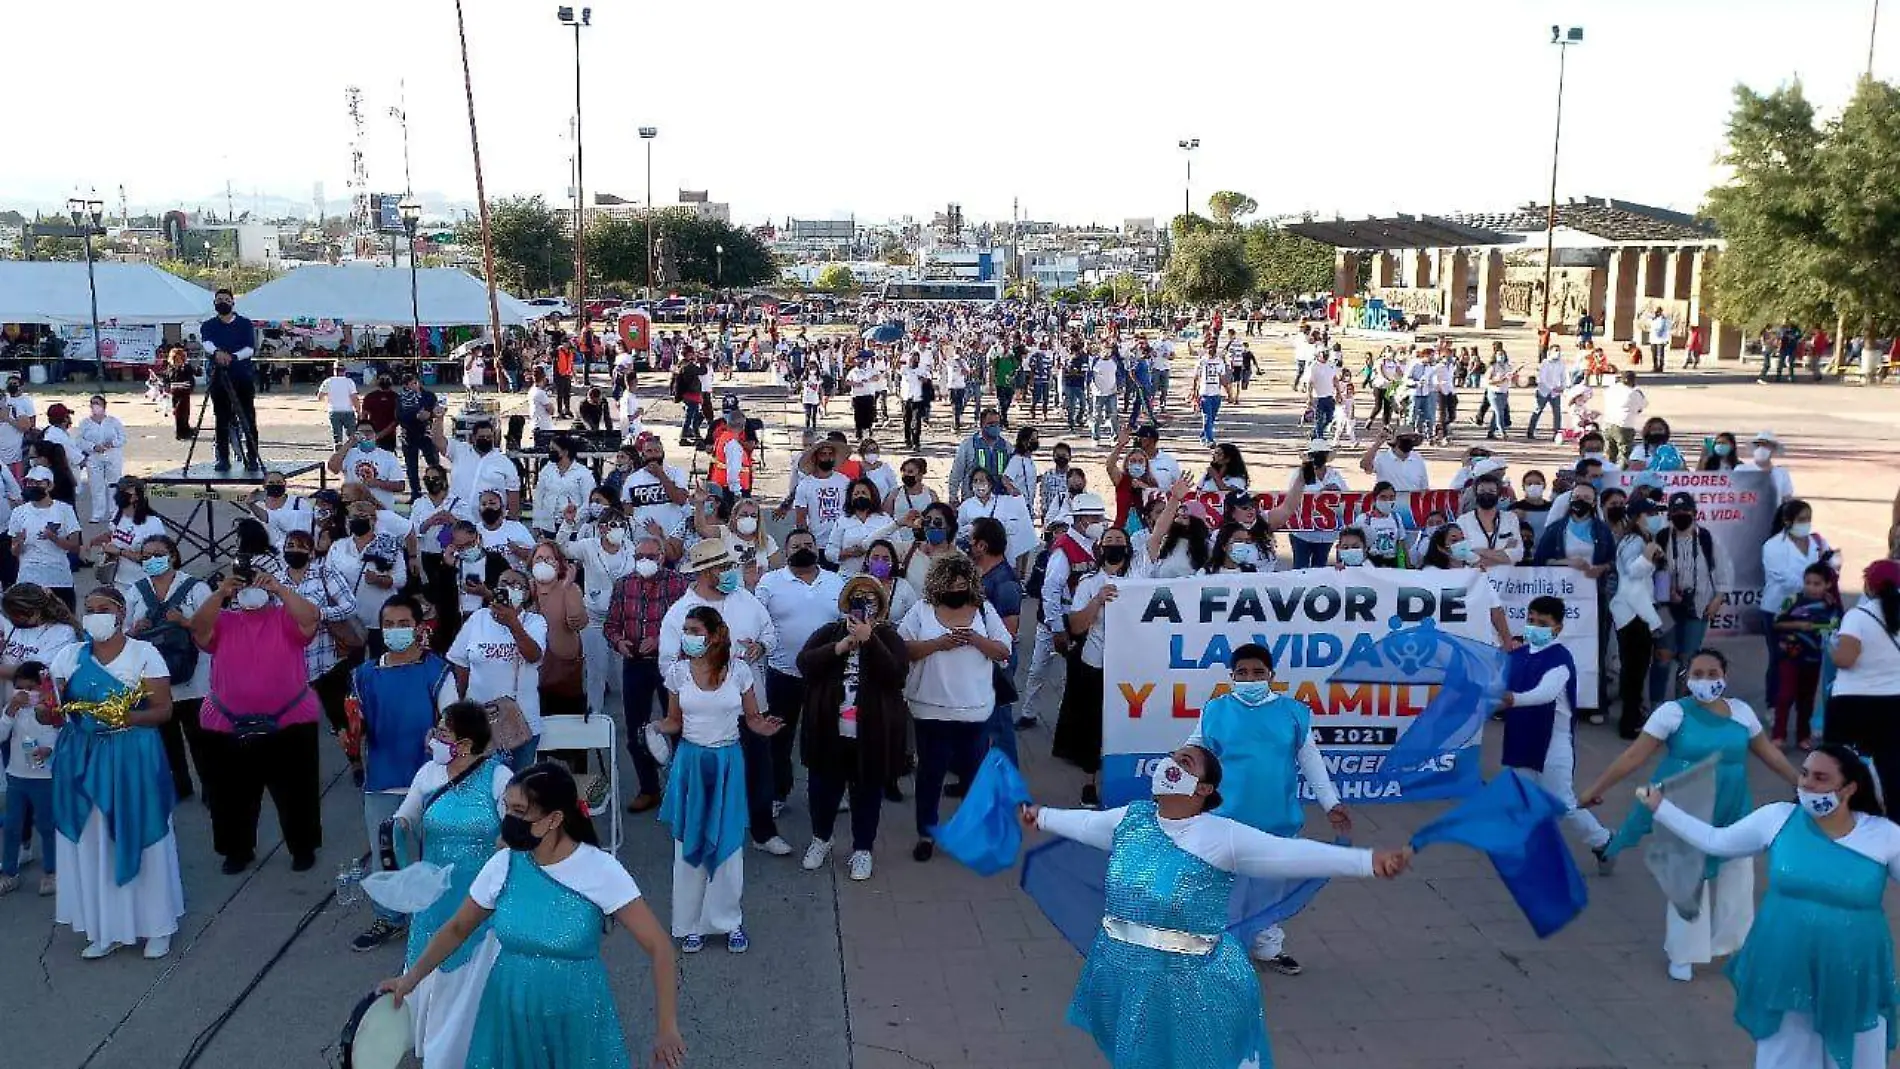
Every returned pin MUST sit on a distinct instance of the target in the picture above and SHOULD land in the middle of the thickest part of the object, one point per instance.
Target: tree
(617, 251)
(1186, 224)
(534, 252)
(1228, 206)
(1770, 212)
(1209, 268)
(836, 278)
(1284, 263)
(1860, 213)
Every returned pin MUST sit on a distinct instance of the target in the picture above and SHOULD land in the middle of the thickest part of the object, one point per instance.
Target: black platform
(205, 487)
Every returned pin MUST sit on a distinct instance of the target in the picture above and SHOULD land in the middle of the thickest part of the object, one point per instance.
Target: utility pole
(1563, 40)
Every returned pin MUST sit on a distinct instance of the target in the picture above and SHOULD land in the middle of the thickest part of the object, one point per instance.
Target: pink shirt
(257, 668)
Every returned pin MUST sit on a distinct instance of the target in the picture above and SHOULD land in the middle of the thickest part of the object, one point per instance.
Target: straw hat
(707, 554)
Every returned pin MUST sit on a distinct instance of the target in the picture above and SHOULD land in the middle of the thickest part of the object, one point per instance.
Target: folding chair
(561, 733)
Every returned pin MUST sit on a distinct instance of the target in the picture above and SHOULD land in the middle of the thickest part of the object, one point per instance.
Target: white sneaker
(861, 865)
(776, 846)
(95, 951)
(816, 855)
(157, 947)
(26, 854)
(1681, 972)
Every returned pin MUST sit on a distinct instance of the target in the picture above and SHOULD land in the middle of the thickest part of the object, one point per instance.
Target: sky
(882, 110)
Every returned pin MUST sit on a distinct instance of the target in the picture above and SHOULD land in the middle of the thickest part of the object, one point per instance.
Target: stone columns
(1622, 291)
(1346, 273)
(1698, 295)
(1490, 289)
(1415, 269)
(1454, 283)
(1594, 300)
(1385, 270)
(1725, 340)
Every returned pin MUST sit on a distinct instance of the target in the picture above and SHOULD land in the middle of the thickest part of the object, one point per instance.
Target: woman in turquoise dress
(1814, 983)
(451, 818)
(1164, 984)
(547, 1004)
(1706, 723)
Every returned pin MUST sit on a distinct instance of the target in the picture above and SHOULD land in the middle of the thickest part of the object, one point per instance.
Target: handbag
(349, 634)
(507, 724)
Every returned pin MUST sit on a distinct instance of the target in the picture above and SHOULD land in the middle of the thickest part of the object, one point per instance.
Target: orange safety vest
(716, 471)
(564, 361)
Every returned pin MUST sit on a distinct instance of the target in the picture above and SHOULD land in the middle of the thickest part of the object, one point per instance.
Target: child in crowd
(1540, 706)
(1802, 625)
(29, 748)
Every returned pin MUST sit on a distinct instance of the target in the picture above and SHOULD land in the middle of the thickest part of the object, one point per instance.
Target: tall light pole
(647, 134)
(86, 215)
(400, 113)
(719, 267)
(567, 17)
(481, 192)
(1563, 39)
(1872, 28)
(412, 215)
(1188, 145)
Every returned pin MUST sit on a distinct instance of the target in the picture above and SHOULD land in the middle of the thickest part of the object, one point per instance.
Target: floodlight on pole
(1563, 39)
(647, 134)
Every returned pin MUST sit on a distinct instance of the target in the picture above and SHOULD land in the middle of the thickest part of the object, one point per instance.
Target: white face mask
(1169, 778)
(1819, 803)
(544, 572)
(1534, 492)
(252, 598)
(612, 537)
(746, 525)
(100, 626)
(1763, 454)
(440, 752)
(646, 568)
(1707, 690)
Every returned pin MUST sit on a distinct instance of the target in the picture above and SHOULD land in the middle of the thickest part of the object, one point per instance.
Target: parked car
(551, 306)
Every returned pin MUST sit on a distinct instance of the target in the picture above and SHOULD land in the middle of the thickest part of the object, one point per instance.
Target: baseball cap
(1682, 501)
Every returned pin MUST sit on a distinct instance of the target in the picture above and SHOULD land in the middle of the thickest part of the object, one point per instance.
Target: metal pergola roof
(1399, 232)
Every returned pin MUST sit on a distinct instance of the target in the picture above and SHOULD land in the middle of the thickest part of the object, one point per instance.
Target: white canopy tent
(379, 296)
(129, 294)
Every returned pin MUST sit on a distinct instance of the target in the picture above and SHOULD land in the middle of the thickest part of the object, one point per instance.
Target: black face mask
(517, 833)
(13, 388)
(1062, 461)
(912, 480)
(435, 486)
(802, 557)
(1682, 521)
(1580, 509)
(296, 558)
(1487, 499)
(1075, 488)
(273, 492)
(361, 525)
(382, 384)
(222, 307)
(954, 599)
(491, 515)
(1655, 439)
(862, 504)
(483, 445)
(1615, 513)
(826, 465)
(34, 493)
(122, 499)
(1114, 554)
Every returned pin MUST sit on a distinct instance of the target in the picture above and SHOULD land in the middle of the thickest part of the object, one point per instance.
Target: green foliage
(237, 278)
(1771, 211)
(1210, 267)
(1860, 179)
(836, 278)
(1185, 224)
(617, 251)
(1103, 294)
(1127, 286)
(1228, 206)
(1286, 264)
(534, 253)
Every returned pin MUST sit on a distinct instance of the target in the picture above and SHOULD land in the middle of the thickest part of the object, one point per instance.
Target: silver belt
(1163, 939)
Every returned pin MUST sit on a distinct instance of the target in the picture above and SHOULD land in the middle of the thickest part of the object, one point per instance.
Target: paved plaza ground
(932, 966)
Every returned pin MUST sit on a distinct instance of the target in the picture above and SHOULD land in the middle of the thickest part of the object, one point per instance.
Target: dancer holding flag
(1164, 984)
(1540, 723)
(1814, 983)
(1265, 741)
(1706, 724)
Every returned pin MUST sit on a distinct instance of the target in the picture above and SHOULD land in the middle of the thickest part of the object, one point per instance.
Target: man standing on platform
(230, 340)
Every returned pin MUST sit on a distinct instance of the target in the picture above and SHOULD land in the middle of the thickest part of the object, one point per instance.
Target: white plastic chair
(560, 733)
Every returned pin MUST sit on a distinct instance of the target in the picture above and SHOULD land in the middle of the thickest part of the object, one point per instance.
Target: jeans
(823, 794)
(1500, 413)
(959, 397)
(1210, 407)
(694, 420)
(416, 446)
(1038, 398)
(342, 425)
(1323, 409)
(1553, 402)
(784, 699)
(1075, 406)
(35, 797)
(378, 807)
(1424, 407)
(1309, 553)
(639, 684)
(999, 731)
(943, 746)
(1140, 398)
(1105, 413)
(760, 791)
(1681, 637)
(1003, 396)
(1657, 351)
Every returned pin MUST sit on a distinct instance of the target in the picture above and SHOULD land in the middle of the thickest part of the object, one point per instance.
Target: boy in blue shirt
(1540, 706)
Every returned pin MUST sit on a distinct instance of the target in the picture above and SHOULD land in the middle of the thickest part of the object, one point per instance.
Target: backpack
(173, 642)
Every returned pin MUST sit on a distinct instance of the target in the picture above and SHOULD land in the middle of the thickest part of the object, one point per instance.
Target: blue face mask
(367, 445)
(399, 639)
(936, 536)
(156, 566)
(693, 645)
(1253, 691)
(1537, 636)
(728, 580)
(992, 431)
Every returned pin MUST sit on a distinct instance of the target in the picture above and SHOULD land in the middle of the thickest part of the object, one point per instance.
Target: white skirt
(445, 1004)
(91, 901)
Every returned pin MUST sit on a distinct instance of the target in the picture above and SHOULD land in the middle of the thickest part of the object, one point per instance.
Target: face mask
(252, 598)
(1114, 554)
(222, 307)
(1708, 690)
(366, 445)
(1352, 558)
(611, 537)
(1252, 691)
(156, 566)
(1818, 803)
(1486, 500)
(274, 492)
(100, 625)
(1383, 506)
(435, 486)
(1582, 509)
(1537, 636)
(936, 536)
(1243, 553)
(646, 567)
(440, 752)
(1723, 449)
(1534, 491)
(880, 568)
(870, 459)
(746, 525)
(399, 639)
(473, 555)
(992, 431)
(693, 645)
(1763, 453)
(1800, 530)
(518, 834)
(34, 493)
(803, 557)
(296, 558)
(1169, 778)
(728, 580)
(122, 499)
(911, 481)
(1654, 524)
(491, 515)
(13, 388)
(1062, 461)
(1463, 551)
(1655, 439)
(1138, 469)
(954, 599)
(826, 465)
(1615, 513)
(361, 525)
(483, 445)
(862, 504)
(544, 572)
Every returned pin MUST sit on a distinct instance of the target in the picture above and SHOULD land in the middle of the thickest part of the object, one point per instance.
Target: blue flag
(1514, 822)
(984, 833)
(1470, 685)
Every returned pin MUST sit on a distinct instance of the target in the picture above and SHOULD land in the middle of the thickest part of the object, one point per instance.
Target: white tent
(379, 296)
(57, 294)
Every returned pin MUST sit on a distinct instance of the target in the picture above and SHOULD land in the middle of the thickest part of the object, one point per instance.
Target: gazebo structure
(1622, 261)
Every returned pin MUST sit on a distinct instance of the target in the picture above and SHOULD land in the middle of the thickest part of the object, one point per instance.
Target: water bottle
(349, 879)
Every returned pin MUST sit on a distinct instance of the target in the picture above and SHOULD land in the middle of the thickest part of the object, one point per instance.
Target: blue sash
(122, 773)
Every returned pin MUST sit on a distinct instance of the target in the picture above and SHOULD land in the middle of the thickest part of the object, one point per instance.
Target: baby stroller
(1582, 415)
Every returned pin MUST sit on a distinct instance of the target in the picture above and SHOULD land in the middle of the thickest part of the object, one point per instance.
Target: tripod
(244, 434)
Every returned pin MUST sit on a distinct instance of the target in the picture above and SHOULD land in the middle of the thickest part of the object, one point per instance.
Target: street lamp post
(719, 268)
(1188, 145)
(647, 134)
(1563, 39)
(86, 215)
(412, 215)
(568, 18)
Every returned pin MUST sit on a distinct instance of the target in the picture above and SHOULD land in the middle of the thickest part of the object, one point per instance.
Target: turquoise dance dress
(459, 827)
(1700, 735)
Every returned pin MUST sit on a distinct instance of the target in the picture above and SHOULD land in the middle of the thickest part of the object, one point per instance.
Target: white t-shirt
(512, 540)
(495, 666)
(196, 594)
(293, 515)
(953, 684)
(1504, 537)
(631, 408)
(1322, 375)
(41, 559)
(1404, 473)
(589, 872)
(378, 463)
(711, 717)
(647, 495)
(128, 535)
(1877, 671)
(1667, 718)
(471, 472)
(347, 560)
(137, 662)
(555, 490)
(432, 777)
(339, 391)
(42, 644)
(823, 502)
(863, 381)
(1104, 376)
(421, 511)
(1091, 585)
(12, 441)
(884, 477)
(540, 409)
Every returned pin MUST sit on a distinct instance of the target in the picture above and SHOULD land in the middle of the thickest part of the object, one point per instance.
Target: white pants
(1047, 669)
(1798, 1046)
(1560, 763)
(1728, 910)
(1269, 942)
(601, 664)
(103, 472)
(707, 905)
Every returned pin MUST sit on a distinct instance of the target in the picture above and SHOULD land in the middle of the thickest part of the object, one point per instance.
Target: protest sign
(1336, 510)
(1737, 508)
(116, 345)
(1355, 645)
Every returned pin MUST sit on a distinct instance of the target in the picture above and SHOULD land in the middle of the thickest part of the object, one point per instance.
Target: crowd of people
(433, 610)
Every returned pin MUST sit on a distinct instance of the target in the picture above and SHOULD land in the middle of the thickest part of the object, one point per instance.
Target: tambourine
(379, 1035)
